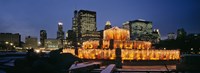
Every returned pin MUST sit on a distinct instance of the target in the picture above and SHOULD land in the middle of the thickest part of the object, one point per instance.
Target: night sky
(28, 17)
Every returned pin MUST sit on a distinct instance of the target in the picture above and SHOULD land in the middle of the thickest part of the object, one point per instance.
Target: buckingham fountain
(115, 38)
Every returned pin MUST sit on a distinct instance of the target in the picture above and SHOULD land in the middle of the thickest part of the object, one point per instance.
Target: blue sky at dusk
(28, 17)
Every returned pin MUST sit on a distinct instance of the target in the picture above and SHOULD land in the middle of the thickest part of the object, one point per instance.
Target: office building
(126, 25)
(84, 21)
(52, 44)
(31, 42)
(140, 28)
(43, 37)
(11, 38)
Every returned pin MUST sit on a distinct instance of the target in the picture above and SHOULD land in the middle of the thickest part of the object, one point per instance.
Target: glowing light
(37, 50)
(39, 43)
(116, 33)
(108, 23)
(60, 23)
(127, 54)
(6, 42)
(11, 44)
(191, 49)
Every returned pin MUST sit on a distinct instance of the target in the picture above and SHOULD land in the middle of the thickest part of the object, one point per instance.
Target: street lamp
(6, 42)
(11, 44)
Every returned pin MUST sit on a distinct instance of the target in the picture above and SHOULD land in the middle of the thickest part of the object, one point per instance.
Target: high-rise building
(31, 42)
(126, 25)
(60, 32)
(71, 38)
(140, 28)
(181, 33)
(13, 39)
(108, 25)
(83, 21)
(43, 37)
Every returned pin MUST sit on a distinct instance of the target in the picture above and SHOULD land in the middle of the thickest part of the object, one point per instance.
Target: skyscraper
(126, 25)
(83, 21)
(139, 28)
(108, 25)
(43, 37)
(60, 32)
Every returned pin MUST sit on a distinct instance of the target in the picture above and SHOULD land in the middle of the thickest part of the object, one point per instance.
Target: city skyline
(29, 17)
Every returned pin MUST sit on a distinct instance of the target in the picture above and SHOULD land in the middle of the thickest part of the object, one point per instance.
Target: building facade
(83, 21)
(140, 28)
(93, 35)
(70, 38)
(43, 37)
(31, 42)
(52, 44)
(126, 25)
(11, 38)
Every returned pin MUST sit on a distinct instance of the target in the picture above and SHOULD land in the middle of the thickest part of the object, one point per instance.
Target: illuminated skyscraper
(60, 32)
(108, 25)
(84, 21)
(43, 37)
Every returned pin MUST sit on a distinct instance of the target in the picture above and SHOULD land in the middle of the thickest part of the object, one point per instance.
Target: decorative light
(127, 54)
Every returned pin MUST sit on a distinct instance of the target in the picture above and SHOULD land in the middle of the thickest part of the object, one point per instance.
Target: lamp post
(6, 45)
